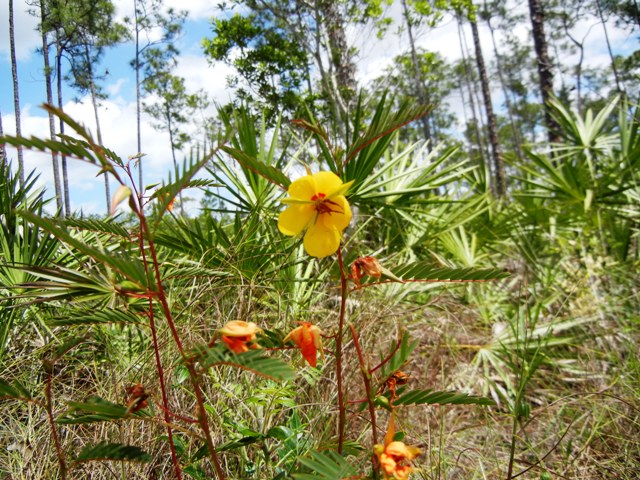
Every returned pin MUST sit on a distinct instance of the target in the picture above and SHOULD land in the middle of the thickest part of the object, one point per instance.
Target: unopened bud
(120, 196)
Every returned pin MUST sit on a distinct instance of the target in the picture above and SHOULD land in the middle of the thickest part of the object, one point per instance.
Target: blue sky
(117, 113)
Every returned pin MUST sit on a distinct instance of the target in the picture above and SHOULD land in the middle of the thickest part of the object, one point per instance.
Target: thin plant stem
(342, 413)
(52, 424)
(158, 360)
(194, 377)
(163, 388)
(195, 380)
(366, 379)
(154, 338)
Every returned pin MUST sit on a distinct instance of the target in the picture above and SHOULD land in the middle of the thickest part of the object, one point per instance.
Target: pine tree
(16, 89)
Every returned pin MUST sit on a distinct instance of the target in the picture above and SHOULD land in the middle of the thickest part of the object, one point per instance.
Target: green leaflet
(14, 390)
(112, 451)
(255, 361)
(97, 409)
(429, 397)
(427, 271)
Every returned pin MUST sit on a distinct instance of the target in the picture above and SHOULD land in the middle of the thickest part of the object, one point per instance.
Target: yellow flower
(394, 459)
(239, 335)
(394, 456)
(317, 204)
(307, 337)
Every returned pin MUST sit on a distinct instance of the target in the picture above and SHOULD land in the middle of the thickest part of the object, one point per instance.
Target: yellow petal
(342, 190)
(295, 218)
(340, 216)
(294, 336)
(400, 450)
(320, 241)
(303, 188)
(327, 183)
(239, 328)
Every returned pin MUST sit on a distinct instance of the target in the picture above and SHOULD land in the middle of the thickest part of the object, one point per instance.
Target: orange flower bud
(308, 338)
(239, 335)
(365, 266)
(137, 399)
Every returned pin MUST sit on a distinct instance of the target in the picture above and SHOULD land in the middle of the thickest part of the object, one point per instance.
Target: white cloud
(200, 74)
(27, 37)
(118, 125)
(197, 9)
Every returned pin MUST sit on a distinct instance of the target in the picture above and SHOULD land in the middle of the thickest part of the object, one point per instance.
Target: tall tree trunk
(52, 126)
(470, 89)
(341, 72)
(498, 162)
(3, 151)
(517, 136)
(173, 156)
(16, 91)
(339, 49)
(580, 46)
(606, 36)
(138, 106)
(418, 82)
(545, 72)
(65, 176)
(94, 102)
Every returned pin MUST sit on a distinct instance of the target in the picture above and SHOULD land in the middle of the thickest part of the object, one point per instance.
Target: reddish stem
(342, 412)
(52, 424)
(163, 388)
(366, 379)
(195, 381)
(387, 358)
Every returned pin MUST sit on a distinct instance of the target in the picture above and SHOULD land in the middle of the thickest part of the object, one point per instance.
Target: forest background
(471, 268)
(376, 45)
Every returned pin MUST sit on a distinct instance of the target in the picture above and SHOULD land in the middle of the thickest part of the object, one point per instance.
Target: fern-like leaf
(113, 452)
(97, 409)
(255, 361)
(429, 397)
(427, 272)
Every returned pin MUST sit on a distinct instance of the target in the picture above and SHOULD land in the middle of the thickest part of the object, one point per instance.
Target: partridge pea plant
(146, 278)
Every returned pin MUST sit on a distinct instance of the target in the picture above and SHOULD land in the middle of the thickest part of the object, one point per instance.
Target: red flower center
(325, 206)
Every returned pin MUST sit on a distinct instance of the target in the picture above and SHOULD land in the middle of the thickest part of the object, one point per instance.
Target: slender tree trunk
(173, 156)
(16, 91)
(580, 47)
(517, 136)
(498, 162)
(606, 36)
(65, 176)
(52, 126)
(341, 72)
(467, 80)
(417, 72)
(329, 86)
(94, 102)
(339, 49)
(138, 105)
(545, 72)
(3, 151)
